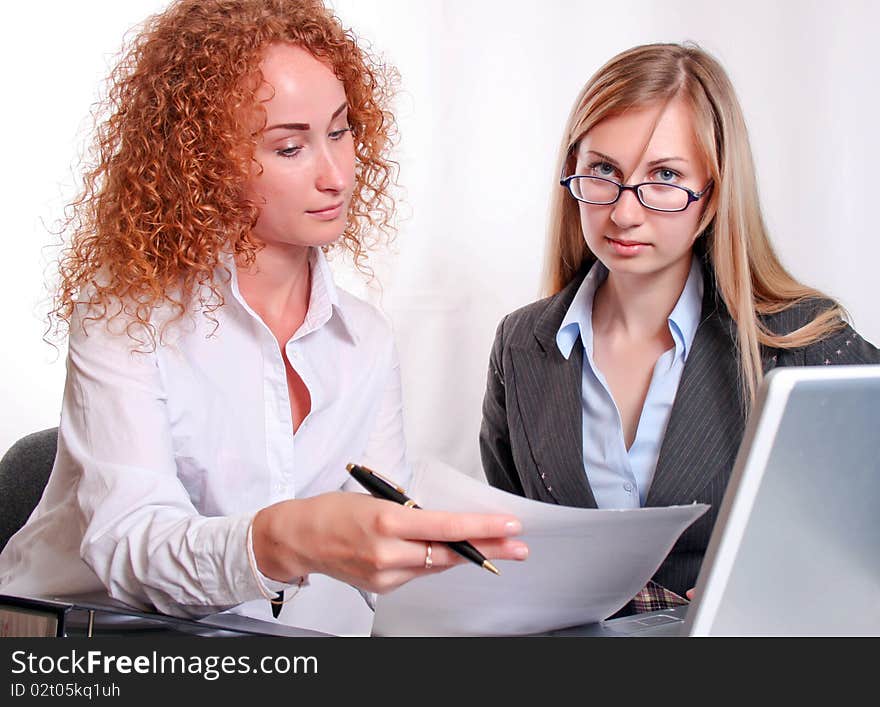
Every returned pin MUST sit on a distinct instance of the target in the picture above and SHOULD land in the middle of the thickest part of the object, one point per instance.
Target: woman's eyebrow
(653, 163)
(307, 126)
(609, 160)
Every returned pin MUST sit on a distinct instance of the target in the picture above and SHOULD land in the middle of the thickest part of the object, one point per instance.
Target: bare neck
(277, 287)
(637, 306)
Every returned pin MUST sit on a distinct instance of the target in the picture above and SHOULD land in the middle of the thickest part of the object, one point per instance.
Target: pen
(381, 487)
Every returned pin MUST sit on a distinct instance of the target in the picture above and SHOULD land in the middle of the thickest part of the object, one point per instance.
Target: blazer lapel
(706, 423)
(548, 389)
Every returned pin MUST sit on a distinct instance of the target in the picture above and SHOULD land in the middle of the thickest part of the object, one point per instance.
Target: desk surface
(90, 615)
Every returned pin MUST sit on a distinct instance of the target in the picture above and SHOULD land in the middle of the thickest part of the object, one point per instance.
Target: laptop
(796, 547)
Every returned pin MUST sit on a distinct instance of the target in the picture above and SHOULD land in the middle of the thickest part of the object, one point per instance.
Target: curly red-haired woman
(218, 382)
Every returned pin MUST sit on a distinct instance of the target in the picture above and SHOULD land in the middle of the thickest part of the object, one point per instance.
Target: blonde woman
(629, 384)
(218, 381)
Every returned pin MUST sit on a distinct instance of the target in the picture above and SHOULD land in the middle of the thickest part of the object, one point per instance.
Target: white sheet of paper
(584, 564)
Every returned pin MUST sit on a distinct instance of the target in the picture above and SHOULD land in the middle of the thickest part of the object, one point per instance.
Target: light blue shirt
(620, 478)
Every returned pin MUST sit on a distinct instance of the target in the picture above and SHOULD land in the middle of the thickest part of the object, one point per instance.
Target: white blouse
(164, 457)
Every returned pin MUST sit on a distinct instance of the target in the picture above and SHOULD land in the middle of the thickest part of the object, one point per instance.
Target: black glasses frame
(634, 188)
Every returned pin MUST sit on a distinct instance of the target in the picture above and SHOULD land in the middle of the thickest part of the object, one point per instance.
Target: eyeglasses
(652, 195)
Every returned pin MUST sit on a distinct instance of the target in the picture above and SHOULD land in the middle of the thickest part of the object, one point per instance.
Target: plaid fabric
(655, 597)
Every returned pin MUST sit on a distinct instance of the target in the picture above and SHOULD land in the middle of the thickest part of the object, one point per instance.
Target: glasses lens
(593, 189)
(666, 197)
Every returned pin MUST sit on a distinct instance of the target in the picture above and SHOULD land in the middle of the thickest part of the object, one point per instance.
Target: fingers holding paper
(370, 543)
(491, 535)
(423, 536)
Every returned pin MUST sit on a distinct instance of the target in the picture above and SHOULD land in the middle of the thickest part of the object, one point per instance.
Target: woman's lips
(329, 214)
(627, 248)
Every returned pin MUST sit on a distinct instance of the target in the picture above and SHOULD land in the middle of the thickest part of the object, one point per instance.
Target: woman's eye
(337, 134)
(603, 169)
(291, 151)
(666, 175)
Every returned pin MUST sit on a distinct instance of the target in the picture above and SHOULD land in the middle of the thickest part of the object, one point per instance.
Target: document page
(583, 565)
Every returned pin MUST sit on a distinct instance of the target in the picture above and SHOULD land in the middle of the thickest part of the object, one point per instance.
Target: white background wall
(486, 87)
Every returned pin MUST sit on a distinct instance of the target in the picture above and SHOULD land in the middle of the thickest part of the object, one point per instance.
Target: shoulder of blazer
(843, 345)
(790, 319)
(538, 322)
(795, 316)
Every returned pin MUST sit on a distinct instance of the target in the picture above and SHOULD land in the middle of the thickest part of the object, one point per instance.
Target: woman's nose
(330, 174)
(628, 212)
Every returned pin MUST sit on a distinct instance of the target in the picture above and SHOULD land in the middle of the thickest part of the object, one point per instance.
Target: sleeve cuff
(266, 585)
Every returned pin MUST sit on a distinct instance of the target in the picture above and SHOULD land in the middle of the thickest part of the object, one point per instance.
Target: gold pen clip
(377, 474)
(386, 480)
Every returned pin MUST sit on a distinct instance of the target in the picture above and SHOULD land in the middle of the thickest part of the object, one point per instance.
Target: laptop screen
(796, 548)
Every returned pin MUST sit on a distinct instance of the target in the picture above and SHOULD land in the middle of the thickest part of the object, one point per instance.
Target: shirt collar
(683, 320)
(685, 316)
(324, 298)
(578, 320)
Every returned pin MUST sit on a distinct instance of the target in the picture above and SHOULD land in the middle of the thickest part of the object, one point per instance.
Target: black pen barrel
(389, 494)
(468, 551)
(377, 487)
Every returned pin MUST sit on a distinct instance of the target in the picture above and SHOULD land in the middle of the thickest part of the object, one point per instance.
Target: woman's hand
(373, 544)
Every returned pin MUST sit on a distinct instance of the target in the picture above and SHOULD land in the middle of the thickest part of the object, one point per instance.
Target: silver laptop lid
(796, 548)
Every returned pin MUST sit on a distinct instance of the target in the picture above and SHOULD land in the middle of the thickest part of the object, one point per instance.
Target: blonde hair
(748, 275)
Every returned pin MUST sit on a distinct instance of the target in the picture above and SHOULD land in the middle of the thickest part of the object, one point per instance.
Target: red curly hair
(163, 200)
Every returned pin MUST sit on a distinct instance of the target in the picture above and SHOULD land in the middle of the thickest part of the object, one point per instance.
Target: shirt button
(628, 487)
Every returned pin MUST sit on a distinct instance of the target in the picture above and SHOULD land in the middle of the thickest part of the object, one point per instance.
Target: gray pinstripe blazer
(531, 438)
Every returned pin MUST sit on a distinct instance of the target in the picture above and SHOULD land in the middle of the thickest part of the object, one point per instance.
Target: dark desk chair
(24, 471)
